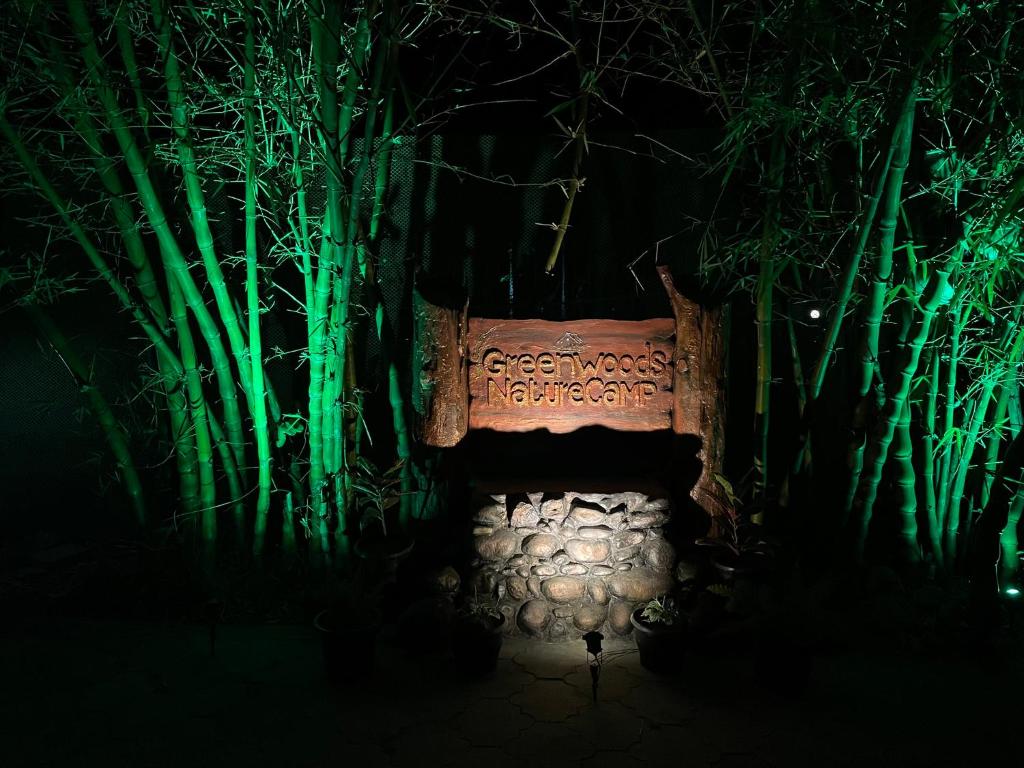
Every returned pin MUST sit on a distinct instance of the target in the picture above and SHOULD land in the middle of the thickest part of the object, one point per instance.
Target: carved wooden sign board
(531, 374)
(519, 375)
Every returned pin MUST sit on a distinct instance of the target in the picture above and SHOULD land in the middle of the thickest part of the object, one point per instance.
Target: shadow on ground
(89, 692)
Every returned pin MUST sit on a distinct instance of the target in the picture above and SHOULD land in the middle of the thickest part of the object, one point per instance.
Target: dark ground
(892, 680)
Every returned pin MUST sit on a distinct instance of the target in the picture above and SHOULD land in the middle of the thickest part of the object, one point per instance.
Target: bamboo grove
(124, 118)
(869, 167)
(881, 149)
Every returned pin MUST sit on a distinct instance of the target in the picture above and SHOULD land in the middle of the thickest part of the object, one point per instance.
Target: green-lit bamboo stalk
(259, 402)
(227, 460)
(995, 437)
(958, 320)
(986, 546)
(801, 394)
(764, 310)
(928, 459)
(174, 260)
(138, 313)
(903, 456)
(852, 266)
(335, 126)
(396, 398)
(126, 46)
(115, 436)
(196, 198)
(952, 529)
(935, 293)
(875, 302)
(145, 279)
(1009, 560)
(978, 420)
(324, 29)
(207, 511)
(343, 288)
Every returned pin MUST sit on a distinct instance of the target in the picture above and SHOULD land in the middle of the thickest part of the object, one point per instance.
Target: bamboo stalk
(324, 30)
(259, 403)
(1009, 559)
(207, 511)
(995, 437)
(764, 310)
(958, 321)
(852, 267)
(928, 460)
(144, 320)
(952, 528)
(396, 398)
(906, 479)
(127, 48)
(343, 286)
(935, 294)
(111, 428)
(145, 278)
(875, 304)
(974, 430)
(174, 260)
(986, 543)
(196, 199)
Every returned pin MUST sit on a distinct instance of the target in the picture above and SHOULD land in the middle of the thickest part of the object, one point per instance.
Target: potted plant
(348, 630)
(659, 635)
(375, 493)
(741, 549)
(477, 637)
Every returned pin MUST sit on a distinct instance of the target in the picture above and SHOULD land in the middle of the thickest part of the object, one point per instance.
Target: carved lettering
(523, 374)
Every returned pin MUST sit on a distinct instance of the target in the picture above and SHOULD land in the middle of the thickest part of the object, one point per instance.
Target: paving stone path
(127, 694)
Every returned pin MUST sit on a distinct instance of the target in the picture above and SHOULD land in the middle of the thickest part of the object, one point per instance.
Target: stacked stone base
(566, 563)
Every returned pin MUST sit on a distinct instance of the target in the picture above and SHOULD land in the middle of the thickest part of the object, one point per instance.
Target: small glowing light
(815, 314)
(1012, 592)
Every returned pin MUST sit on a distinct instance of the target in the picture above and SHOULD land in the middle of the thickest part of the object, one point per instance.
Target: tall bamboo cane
(175, 262)
(145, 278)
(207, 511)
(115, 436)
(259, 403)
(928, 459)
(958, 320)
(323, 29)
(343, 291)
(196, 198)
(763, 314)
(935, 294)
(396, 398)
(875, 304)
(906, 480)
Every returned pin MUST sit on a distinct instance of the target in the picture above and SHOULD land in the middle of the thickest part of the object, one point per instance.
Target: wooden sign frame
(518, 375)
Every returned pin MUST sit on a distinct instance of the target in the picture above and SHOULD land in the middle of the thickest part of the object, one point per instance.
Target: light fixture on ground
(595, 658)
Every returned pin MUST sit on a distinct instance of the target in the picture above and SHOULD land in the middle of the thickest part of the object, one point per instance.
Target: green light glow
(1012, 592)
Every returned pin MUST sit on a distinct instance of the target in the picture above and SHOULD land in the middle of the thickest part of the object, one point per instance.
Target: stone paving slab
(112, 694)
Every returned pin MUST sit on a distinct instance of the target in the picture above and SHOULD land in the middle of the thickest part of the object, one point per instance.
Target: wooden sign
(518, 375)
(531, 374)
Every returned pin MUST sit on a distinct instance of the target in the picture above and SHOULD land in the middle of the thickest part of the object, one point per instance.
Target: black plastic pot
(384, 553)
(748, 563)
(661, 646)
(348, 649)
(476, 643)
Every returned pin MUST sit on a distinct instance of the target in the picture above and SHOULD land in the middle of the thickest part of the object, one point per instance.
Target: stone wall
(562, 564)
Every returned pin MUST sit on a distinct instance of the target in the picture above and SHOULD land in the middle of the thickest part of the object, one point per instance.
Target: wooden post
(699, 391)
(440, 382)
